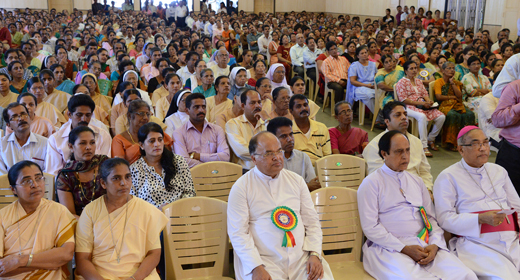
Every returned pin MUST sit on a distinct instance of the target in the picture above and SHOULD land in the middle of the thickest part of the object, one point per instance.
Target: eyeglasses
(477, 145)
(280, 72)
(271, 154)
(345, 112)
(142, 114)
(29, 182)
(266, 86)
(18, 117)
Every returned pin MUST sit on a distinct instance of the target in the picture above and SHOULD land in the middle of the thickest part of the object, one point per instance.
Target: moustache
(22, 123)
(201, 114)
(83, 123)
(257, 110)
(304, 112)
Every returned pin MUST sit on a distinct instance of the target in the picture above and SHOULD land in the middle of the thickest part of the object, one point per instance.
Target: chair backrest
(215, 179)
(339, 218)
(6, 194)
(341, 171)
(431, 91)
(195, 240)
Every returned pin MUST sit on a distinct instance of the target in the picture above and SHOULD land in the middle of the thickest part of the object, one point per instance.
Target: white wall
(22, 4)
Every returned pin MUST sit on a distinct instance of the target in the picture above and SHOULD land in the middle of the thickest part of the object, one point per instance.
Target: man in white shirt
(242, 128)
(181, 12)
(296, 54)
(502, 34)
(309, 58)
(255, 210)
(404, 15)
(170, 14)
(141, 60)
(396, 118)
(22, 144)
(264, 40)
(397, 215)
(81, 110)
(208, 28)
(129, 38)
(188, 70)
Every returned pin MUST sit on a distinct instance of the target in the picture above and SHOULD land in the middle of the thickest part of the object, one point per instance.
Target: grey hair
(339, 104)
(204, 71)
(446, 64)
(136, 105)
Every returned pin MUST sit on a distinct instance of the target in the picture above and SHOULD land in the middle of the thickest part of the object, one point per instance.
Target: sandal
(427, 153)
(432, 145)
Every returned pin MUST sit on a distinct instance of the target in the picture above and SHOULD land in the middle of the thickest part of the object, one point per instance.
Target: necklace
(492, 185)
(32, 233)
(130, 134)
(118, 254)
(81, 186)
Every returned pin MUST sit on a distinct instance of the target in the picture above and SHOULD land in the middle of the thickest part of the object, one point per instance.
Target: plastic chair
(342, 234)
(313, 85)
(341, 171)
(332, 94)
(379, 95)
(215, 179)
(196, 243)
(6, 194)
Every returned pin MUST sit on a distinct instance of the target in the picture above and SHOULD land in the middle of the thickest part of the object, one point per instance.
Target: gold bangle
(29, 261)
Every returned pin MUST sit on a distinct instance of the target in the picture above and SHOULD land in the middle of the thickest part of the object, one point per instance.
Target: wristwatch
(316, 254)
(191, 156)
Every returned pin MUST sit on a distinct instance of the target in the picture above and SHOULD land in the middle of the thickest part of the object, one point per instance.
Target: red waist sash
(504, 226)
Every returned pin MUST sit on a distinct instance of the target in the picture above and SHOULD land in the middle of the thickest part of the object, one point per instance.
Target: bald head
(266, 153)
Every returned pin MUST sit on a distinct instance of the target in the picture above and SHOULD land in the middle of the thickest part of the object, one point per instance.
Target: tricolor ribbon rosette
(285, 219)
(425, 232)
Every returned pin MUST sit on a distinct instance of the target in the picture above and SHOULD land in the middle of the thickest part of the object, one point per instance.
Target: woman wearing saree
(283, 54)
(361, 81)
(386, 78)
(207, 88)
(61, 83)
(272, 49)
(132, 77)
(122, 122)
(155, 87)
(463, 68)
(135, 224)
(475, 85)
(70, 68)
(18, 83)
(297, 86)
(412, 92)
(219, 103)
(259, 68)
(195, 80)
(172, 83)
(102, 101)
(448, 93)
(280, 107)
(55, 97)
(77, 183)
(263, 86)
(44, 109)
(124, 144)
(277, 76)
(46, 227)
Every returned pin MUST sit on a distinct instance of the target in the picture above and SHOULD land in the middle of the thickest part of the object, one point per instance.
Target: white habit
(388, 204)
(257, 241)
(493, 255)
(418, 162)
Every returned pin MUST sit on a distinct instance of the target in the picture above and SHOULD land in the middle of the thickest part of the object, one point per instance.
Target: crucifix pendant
(507, 219)
(118, 259)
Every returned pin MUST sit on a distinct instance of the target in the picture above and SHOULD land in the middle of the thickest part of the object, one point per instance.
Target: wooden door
(264, 6)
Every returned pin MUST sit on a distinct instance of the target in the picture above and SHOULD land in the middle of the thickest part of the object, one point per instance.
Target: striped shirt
(317, 145)
(335, 69)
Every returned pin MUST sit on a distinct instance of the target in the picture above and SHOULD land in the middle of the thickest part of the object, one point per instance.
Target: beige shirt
(239, 131)
(122, 123)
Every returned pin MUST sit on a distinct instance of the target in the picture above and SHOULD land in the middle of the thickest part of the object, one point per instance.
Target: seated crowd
(118, 105)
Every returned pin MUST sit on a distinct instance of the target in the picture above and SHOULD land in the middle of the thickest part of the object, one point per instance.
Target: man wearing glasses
(261, 203)
(474, 200)
(22, 144)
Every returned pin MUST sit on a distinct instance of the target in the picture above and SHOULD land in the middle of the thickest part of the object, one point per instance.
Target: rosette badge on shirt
(285, 219)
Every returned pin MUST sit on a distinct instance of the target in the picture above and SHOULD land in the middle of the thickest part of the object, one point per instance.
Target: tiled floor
(441, 159)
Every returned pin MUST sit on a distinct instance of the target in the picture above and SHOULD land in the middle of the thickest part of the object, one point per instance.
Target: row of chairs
(197, 244)
(215, 179)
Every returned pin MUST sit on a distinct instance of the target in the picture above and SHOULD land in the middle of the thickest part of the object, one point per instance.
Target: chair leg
(325, 98)
(376, 112)
(361, 113)
(332, 102)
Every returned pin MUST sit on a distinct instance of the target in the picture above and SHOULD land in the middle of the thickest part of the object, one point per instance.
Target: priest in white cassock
(404, 240)
(396, 118)
(473, 200)
(272, 224)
